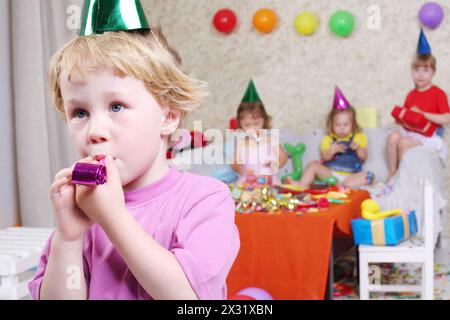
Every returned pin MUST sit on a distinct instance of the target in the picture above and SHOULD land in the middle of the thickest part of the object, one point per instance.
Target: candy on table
(338, 195)
(338, 201)
(323, 203)
(251, 182)
(305, 206)
(317, 191)
(294, 189)
(275, 200)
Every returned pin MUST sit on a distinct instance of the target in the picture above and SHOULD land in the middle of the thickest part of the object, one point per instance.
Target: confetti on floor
(345, 287)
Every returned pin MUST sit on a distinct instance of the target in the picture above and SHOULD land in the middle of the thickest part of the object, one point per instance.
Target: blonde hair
(332, 114)
(145, 55)
(424, 60)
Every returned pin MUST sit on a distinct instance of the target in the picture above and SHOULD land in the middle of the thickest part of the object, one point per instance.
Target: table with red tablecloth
(288, 255)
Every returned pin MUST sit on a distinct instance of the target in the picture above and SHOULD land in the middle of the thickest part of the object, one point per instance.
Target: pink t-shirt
(190, 215)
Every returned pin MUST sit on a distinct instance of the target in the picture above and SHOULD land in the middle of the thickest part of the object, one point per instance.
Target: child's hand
(425, 114)
(354, 146)
(71, 222)
(416, 109)
(338, 148)
(103, 202)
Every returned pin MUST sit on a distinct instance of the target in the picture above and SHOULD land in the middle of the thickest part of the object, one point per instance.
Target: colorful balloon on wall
(342, 23)
(225, 21)
(265, 20)
(306, 23)
(431, 15)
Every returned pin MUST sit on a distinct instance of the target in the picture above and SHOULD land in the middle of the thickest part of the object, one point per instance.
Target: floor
(345, 287)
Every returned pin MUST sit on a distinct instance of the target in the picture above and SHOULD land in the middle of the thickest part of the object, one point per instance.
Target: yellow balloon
(306, 23)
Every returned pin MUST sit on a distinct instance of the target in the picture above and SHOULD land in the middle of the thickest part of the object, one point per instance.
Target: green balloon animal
(296, 153)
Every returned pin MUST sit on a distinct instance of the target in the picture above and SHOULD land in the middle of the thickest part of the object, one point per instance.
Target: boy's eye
(116, 107)
(80, 114)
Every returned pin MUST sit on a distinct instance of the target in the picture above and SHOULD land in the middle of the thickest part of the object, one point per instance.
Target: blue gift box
(388, 231)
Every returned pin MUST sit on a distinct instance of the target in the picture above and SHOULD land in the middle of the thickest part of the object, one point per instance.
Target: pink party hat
(340, 101)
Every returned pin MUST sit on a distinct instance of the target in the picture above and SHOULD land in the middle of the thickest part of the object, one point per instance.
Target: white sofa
(418, 163)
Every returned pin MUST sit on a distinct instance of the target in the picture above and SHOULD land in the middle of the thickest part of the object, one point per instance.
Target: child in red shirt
(427, 99)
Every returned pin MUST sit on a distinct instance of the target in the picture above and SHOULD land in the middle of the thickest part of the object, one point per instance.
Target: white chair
(410, 251)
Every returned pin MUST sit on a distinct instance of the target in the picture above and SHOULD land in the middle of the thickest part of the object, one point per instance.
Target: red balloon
(234, 125)
(225, 20)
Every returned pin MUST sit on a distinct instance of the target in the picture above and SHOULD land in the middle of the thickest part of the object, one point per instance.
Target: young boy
(149, 232)
(427, 99)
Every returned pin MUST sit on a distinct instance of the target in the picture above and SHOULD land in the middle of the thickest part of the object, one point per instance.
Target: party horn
(89, 174)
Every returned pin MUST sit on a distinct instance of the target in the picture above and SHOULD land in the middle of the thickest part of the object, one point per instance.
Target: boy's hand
(103, 202)
(416, 109)
(71, 222)
(425, 114)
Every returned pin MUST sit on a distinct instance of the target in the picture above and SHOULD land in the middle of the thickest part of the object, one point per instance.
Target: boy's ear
(171, 122)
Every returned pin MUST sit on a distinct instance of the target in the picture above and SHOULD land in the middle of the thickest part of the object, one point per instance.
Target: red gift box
(414, 121)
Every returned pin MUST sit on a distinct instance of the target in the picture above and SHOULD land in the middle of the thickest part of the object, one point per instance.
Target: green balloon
(342, 23)
(296, 152)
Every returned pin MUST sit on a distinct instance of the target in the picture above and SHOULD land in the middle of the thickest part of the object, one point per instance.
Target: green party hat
(100, 16)
(251, 95)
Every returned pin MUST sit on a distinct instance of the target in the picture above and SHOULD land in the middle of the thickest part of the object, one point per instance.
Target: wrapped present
(388, 231)
(414, 121)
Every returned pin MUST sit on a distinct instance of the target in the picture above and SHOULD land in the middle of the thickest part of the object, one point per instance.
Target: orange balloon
(265, 20)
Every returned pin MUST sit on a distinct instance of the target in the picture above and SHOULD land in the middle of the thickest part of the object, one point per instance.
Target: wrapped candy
(275, 200)
(89, 174)
(266, 200)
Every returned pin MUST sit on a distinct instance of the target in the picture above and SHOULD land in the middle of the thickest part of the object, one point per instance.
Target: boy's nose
(98, 132)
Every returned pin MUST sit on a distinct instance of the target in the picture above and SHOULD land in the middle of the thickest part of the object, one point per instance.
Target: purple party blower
(89, 174)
